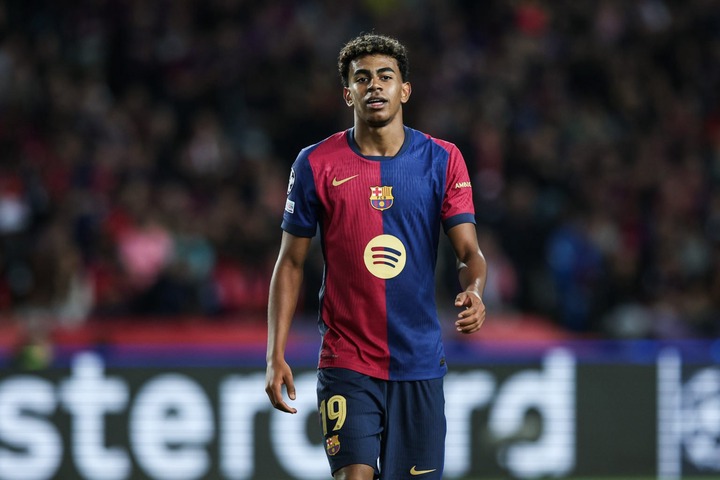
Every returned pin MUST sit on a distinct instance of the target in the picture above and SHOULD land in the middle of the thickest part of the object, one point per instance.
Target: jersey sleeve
(457, 205)
(300, 215)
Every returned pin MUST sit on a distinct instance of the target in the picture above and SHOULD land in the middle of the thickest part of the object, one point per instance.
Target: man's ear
(347, 95)
(406, 91)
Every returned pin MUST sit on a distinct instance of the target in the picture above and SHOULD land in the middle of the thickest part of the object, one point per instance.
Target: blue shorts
(397, 427)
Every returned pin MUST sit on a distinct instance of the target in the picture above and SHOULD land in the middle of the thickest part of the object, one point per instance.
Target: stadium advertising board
(557, 413)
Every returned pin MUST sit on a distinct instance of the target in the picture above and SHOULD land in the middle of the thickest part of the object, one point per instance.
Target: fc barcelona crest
(332, 445)
(381, 198)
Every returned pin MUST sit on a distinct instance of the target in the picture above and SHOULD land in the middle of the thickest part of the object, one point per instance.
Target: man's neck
(384, 141)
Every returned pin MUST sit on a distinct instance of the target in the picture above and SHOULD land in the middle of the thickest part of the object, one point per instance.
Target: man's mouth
(376, 103)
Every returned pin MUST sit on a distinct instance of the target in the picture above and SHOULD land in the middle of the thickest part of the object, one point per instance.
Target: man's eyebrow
(365, 71)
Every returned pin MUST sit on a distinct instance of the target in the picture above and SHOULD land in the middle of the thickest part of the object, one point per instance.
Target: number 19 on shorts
(334, 410)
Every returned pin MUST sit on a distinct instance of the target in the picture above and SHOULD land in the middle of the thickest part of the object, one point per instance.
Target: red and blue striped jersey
(379, 220)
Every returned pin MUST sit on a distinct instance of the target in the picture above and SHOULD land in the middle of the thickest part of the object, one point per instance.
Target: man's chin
(378, 122)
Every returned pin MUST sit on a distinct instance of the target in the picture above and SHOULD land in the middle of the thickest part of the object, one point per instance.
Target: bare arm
(284, 291)
(472, 272)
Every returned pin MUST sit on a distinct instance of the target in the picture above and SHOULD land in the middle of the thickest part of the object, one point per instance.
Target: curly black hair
(371, 44)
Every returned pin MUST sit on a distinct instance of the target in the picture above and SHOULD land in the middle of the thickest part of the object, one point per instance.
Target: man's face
(375, 89)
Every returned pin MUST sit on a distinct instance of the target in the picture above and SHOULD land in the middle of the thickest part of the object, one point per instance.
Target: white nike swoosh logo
(414, 471)
(337, 182)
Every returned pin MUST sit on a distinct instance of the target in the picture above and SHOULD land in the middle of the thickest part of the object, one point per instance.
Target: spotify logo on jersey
(385, 256)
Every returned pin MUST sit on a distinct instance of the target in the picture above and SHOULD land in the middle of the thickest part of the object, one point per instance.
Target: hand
(471, 319)
(275, 378)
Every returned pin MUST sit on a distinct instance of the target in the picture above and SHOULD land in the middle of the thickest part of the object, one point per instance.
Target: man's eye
(361, 80)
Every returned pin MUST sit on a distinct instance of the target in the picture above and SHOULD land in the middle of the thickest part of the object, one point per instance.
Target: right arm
(284, 291)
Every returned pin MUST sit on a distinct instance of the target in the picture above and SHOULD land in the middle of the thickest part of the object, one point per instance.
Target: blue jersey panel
(418, 181)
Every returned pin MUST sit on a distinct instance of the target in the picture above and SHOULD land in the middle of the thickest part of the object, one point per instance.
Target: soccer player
(379, 191)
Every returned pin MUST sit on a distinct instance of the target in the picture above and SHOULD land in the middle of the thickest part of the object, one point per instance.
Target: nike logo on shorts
(415, 471)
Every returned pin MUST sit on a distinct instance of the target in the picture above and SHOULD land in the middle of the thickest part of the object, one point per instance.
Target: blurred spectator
(146, 147)
(577, 271)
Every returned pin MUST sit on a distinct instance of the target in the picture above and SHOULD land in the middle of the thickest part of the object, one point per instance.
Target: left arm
(472, 273)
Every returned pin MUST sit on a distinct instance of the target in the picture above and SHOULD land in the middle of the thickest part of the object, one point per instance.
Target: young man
(380, 192)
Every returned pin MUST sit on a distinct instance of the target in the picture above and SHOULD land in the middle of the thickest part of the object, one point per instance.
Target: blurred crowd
(145, 149)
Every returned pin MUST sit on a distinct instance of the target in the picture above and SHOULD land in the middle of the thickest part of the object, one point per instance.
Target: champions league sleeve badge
(291, 182)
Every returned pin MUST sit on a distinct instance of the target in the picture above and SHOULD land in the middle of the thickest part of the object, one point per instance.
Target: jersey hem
(297, 230)
(384, 374)
(458, 219)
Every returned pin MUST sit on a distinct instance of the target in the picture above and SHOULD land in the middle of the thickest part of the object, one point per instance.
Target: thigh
(351, 409)
(356, 472)
(414, 440)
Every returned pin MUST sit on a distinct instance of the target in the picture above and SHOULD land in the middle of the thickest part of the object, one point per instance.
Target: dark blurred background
(145, 148)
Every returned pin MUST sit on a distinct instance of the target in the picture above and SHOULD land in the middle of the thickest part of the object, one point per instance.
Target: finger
(466, 322)
(468, 312)
(290, 385)
(275, 395)
(462, 300)
(470, 324)
(284, 407)
(477, 326)
(472, 328)
(465, 326)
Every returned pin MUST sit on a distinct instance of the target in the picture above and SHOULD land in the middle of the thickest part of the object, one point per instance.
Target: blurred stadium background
(145, 147)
